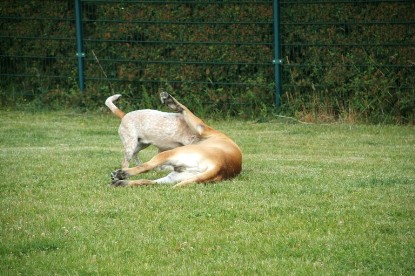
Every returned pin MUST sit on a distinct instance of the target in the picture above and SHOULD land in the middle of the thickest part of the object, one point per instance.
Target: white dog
(142, 128)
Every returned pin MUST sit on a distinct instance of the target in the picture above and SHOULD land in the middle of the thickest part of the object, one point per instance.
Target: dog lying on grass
(215, 157)
(142, 128)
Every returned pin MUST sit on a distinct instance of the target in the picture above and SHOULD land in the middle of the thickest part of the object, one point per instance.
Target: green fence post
(79, 44)
(277, 53)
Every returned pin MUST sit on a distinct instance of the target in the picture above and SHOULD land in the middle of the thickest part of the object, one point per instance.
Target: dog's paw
(171, 102)
(118, 175)
(119, 183)
(164, 96)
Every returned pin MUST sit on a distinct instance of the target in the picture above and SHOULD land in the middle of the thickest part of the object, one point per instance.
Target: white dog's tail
(112, 107)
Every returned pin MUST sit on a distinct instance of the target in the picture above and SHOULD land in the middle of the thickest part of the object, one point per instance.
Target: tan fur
(215, 157)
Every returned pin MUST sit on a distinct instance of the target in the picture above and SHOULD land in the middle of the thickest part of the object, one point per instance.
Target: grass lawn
(312, 199)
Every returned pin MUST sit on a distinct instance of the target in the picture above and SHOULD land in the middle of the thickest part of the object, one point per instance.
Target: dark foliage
(342, 60)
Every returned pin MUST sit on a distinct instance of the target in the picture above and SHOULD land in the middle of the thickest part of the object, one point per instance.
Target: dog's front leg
(171, 102)
(124, 173)
(117, 178)
(194, 122)
(119, 175)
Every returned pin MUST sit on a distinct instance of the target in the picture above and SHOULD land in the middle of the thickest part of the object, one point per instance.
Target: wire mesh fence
(139, 47)
(182, 46)
(37, 43)
(360, 53)
(336, 55)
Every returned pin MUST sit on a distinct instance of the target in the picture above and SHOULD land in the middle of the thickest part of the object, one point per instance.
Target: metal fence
(349, 50)
(178, 44)
(140, 47)
(37, 47)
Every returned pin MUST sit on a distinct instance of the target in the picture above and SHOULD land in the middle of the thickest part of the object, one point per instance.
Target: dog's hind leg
(209, 175)
(171, 178)
(132, 146)
(140, 146)
(131, 183)
(130, 151)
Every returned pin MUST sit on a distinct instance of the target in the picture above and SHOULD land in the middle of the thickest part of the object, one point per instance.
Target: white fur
(142, 128)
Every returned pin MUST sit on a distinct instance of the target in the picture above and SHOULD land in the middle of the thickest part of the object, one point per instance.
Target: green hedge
(352, 61)
(348, 61)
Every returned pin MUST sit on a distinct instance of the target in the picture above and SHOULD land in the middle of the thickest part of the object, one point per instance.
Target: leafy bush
(347, 61)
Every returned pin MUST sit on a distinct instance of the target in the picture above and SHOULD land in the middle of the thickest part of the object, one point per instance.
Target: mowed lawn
(312, 199)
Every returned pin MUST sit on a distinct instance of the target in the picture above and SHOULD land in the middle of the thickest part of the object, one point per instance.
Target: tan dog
(215, 157)
(142, 128)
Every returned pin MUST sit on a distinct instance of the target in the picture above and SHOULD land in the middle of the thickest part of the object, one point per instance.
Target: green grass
(312, 199)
